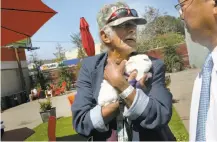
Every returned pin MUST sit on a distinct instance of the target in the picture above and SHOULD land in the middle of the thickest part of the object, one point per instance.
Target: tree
(165, 24)
(161, 30)
(76, 40)
(60, 53)
(65, 75)
(164, 40)
(151, 13)
(33, 57)
(160, 23)
(39, 79)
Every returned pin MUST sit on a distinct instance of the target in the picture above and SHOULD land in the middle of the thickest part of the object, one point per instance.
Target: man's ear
(105, 38)
(215, 8)
(215, 13)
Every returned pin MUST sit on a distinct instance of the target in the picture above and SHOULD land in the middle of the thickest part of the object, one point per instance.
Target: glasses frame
(178, 7)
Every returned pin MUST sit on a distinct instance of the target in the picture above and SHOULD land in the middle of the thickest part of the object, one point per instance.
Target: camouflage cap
(108, 10)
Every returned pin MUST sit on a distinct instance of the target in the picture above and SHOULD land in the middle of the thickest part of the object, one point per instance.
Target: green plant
(177, 127)
(172, 60)
(167, 81)
(39, 76)
(76, 40)
(38, 86)
(66, 75)
(64, 128)
(60, 53)
(161, 40)
(45, 105)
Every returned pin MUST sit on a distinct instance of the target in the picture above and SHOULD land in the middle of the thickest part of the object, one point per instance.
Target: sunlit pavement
(181, 88)
(27, 115)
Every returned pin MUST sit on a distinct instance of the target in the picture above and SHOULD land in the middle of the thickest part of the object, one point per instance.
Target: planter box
(45, 115)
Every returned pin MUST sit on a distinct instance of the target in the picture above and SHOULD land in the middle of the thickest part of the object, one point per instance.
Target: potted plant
(46, 110)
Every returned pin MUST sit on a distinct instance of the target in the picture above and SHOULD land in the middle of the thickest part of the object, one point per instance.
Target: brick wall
(181, 50)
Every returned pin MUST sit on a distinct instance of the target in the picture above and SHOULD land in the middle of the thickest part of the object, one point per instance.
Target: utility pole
(23, 83)
(16, 47)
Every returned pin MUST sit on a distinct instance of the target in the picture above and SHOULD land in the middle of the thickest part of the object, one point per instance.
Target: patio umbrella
(86, 37)
(22, 18)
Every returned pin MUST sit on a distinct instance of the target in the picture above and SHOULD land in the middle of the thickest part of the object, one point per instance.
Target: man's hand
(110, 111)
(141, 82)
(114, 74)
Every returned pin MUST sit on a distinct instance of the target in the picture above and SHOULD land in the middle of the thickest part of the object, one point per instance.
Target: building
(52, 71)
(10, 76)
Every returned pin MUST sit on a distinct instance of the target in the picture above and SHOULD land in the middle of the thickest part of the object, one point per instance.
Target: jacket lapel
(97, 76)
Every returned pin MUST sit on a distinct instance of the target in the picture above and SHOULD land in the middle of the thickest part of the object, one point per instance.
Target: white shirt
(211, 124)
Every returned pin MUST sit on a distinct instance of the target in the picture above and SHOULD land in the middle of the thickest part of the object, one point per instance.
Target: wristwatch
(126, 92)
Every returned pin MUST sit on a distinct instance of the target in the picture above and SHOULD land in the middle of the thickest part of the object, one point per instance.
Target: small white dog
(141, 63)
(108, 94)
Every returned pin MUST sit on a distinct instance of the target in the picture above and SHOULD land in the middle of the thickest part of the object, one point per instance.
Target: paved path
(181, 88)
(27, 115)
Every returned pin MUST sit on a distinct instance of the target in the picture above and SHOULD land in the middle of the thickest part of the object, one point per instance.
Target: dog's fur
(109, 94)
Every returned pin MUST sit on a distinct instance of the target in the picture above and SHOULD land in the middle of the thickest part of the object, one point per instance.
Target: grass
(178, 127)
(64, 128)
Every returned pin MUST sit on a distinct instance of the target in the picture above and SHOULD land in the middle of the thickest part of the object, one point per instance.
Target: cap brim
(139, 21)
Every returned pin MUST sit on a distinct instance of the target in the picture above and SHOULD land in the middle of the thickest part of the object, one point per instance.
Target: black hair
(215, 2)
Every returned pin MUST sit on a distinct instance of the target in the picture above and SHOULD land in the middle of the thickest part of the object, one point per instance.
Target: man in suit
(149, 111)
(200, 17)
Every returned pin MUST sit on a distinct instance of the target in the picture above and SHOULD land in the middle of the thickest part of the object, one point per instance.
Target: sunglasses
(122, 12)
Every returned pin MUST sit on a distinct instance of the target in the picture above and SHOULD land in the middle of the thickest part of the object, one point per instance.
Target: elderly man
(149, 112)
(201, 21)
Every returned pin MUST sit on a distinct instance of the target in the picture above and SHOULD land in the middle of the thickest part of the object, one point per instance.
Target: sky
(66, 22)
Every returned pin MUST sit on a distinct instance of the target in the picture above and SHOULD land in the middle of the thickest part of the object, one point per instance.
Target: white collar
(214, 57)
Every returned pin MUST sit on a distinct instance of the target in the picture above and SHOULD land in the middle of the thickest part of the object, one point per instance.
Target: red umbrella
(22, 18)
(86, 38)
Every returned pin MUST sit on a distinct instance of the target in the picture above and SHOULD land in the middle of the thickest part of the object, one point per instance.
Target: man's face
(199, 18)
(124, 37)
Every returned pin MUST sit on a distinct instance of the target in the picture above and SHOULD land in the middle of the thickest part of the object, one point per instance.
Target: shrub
(158, 41)
(172, 60)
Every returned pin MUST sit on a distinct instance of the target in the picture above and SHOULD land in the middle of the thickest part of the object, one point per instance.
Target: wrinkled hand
(114, 74)
(132, 80)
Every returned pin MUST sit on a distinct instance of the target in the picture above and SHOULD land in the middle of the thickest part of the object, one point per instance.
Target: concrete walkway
(27, 115)
(181, 88)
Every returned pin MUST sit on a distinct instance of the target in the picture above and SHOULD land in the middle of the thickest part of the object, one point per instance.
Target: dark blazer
(151, 125)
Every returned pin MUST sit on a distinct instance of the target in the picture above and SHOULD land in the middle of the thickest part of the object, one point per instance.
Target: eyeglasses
(122, 12)
(179, 6)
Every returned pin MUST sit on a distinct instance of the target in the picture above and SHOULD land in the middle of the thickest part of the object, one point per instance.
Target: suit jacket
(150, 121)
